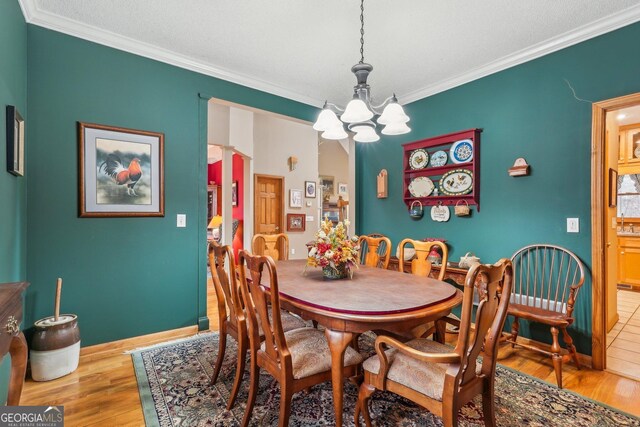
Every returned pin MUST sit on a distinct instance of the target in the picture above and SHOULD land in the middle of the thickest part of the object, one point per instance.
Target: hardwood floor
(104, 392)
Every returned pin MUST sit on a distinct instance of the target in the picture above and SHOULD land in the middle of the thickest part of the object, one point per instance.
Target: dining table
(373, 299)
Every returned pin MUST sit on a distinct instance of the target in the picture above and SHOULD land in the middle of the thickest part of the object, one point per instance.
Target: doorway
(615, 159)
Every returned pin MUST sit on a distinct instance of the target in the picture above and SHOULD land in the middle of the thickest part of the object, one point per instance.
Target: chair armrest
(412, 352)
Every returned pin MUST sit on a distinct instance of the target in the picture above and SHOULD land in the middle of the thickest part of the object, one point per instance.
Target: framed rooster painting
(121, 171)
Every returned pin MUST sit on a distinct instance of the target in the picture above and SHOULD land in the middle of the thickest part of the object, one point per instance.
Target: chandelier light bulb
(393, 113)
(327, 119)
(397, 128)
(366, 134)
(356, 111)
(336, 132)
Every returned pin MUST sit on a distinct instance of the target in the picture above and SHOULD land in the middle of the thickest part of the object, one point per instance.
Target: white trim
(604, 25)
(36, 16)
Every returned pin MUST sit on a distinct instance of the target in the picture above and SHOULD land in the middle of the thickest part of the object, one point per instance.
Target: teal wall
(526, 111)
(124, 277)
(13, 196)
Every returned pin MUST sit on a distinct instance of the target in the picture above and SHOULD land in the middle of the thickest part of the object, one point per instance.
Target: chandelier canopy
(360, 113)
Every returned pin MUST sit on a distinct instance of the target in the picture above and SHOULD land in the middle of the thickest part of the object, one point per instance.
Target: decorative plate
(421, 186)
(461, 151)
(456, 182)
(418, 159)
(439, 158)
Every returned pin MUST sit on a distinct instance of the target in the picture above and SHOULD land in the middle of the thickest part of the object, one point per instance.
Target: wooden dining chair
(231, 313)
(375, 250)
(440, 378)
(420, 265)
(274, 245)
(547, 281)
(297, 359)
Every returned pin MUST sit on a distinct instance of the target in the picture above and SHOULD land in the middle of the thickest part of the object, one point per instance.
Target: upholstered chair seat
(424, 377)
(310, 352)
(289, 321)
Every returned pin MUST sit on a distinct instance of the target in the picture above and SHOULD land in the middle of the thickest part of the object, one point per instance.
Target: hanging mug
(462, 210)
(416, 212)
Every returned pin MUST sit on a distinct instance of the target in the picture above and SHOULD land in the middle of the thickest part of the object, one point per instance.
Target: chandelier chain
(361, 31)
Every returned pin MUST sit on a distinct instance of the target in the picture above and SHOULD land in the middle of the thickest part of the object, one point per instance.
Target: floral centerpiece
(334, 251)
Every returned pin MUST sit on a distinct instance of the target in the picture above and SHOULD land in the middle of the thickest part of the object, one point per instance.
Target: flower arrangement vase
(339, 272)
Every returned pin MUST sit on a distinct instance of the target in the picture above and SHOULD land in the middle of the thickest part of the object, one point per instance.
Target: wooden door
(268, 204)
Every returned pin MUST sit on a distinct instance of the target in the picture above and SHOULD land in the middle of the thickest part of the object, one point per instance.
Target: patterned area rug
(173, 381)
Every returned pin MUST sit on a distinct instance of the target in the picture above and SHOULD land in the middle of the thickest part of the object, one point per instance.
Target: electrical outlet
(573, 225)
(293, 251)
(181, 220)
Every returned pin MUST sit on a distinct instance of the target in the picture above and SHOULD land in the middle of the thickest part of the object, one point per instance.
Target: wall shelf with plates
(443, 170)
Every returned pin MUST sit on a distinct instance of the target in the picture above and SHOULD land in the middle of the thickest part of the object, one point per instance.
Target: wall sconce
(520, 168)
(293, 162)
(382, 184)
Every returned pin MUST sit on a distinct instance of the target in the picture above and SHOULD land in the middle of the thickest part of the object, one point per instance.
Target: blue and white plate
(461, 151)
(439, 158)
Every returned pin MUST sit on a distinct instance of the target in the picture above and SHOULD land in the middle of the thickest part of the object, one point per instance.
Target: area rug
(173, 382)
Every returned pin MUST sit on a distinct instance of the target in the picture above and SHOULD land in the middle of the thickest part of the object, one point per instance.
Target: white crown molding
(607, 24)
(37, 16)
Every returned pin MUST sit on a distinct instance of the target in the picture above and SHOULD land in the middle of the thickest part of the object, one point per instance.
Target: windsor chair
(440, 378)
(547, 281)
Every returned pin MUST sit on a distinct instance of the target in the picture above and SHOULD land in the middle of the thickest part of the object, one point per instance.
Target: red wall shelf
(431, 145)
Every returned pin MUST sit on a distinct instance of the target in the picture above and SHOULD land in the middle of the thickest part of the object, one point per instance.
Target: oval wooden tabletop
(372, 291)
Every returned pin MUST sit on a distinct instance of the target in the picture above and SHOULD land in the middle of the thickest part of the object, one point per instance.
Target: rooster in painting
(130, 176)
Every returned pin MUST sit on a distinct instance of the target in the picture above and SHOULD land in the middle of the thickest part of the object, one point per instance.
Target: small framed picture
(343, 189)
(121, 171)
(234, 193)
(15, 141)
(326, 182)
(295, 198)
(613, 188)
(296, 222)
(310, 189)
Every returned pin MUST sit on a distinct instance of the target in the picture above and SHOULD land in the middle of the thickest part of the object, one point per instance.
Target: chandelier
(360, 113)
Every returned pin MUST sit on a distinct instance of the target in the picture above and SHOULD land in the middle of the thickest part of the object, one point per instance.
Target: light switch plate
(181, 220)
(293, 251)
(573, 225)
(309, 218)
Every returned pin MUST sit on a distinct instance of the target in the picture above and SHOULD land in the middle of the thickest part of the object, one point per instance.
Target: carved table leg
(18, 352)
(338, 342)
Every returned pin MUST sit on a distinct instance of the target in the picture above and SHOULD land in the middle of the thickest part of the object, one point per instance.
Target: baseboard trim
(585, 360)
(613, 322)
(134, 342)
(203, 323)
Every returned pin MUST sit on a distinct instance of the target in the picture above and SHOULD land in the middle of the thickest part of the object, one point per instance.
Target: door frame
(598, 265)
(256, 177)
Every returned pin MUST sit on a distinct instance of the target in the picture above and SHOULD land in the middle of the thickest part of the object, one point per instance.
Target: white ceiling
(304, 50)
(627, 116)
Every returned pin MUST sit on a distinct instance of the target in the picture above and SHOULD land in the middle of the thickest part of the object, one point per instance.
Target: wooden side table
(12, 340)
(454, 272)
